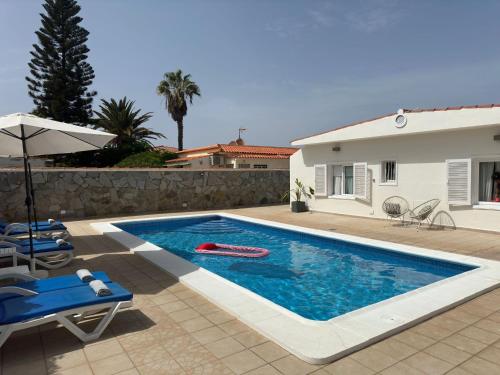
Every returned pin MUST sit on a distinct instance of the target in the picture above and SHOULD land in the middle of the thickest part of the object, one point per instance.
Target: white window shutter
(320, 183)
(360, 180)
(458, 172)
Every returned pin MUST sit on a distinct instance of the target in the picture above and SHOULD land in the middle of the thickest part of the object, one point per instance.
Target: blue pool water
(318, 278)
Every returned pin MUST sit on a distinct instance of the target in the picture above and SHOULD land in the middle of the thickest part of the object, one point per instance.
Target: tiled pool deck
(172, 330)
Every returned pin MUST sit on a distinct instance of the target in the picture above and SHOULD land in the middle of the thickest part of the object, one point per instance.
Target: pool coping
(318, 342)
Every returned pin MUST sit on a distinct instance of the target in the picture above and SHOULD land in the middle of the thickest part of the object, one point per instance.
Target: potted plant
(298, 192)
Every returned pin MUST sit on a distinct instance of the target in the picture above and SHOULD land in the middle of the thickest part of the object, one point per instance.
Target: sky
(282, 69)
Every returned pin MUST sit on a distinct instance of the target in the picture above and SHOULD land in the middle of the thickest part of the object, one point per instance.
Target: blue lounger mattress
(59, 282)
(14, 310)
(42, 225)
(40, 246)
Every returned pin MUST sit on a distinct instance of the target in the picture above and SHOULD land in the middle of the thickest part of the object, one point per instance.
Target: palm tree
(122, 119)
(177, 89)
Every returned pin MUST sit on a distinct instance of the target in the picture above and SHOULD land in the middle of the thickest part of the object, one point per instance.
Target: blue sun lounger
(49, 253)
(63, 306)
(46, 229)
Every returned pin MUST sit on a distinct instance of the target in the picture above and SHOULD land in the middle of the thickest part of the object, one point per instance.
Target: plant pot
(299, 206)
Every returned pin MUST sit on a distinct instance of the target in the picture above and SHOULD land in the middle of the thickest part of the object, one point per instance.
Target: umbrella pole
(27, 180)
(33, 200)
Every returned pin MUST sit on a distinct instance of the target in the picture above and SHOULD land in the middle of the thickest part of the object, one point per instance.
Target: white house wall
(421, 168)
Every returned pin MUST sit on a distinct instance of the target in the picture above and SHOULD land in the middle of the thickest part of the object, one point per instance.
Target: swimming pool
(316, 277)
(321, 295)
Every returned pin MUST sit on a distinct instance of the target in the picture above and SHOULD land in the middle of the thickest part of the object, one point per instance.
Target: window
(489, 181)
(243, 166)
(260, 166)
(388, 172)
(342, 180)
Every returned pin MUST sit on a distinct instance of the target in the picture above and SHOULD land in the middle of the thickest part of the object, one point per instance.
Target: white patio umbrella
(25, 135)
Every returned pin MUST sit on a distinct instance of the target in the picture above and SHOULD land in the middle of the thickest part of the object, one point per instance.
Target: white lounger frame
(63, 317)
(49, 259)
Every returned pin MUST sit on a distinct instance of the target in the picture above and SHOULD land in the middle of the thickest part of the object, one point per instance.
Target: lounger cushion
(40, 229)
(42, 225)
(41, 246)
(19, 309)
(59, 282)
(54, 283)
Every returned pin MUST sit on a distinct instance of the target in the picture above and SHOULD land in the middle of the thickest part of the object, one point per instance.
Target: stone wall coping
(17, 169)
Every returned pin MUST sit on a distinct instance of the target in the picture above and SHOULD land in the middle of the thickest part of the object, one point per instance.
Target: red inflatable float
(231, 250)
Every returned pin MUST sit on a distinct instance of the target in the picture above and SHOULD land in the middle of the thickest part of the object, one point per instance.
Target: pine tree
(60, 75)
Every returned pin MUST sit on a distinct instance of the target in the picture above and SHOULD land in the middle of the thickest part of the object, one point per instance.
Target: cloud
(361, 16)
(373, 19)
(285, 27)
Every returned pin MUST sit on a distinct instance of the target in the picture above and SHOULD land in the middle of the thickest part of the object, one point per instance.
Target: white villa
(452, 154)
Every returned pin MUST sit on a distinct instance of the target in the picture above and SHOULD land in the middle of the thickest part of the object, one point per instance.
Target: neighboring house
(166, 149)
(452, 154)
(233, 156)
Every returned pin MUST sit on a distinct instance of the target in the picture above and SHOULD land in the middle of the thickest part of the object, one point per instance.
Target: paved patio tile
(394, 348)
(233, 327)
(373, 359)
(79, 370)
(250, 338)
(479, 334)
(219, 317)
(448, 353)
(243, 362)
(36, 367)
(162, 367)
(208, 335)
(401, 368)
(66, 360)
(347, 366)
(264, 370)
(196, 324)
(182, 315)
(428, 364)
(112, 365)
(211, 368)
(465, 343)
(491, 354)
(291, 365)
(148, 354)
(224, 347)
(102, 350)
(479, 366)
(414, 339)
(269, 351)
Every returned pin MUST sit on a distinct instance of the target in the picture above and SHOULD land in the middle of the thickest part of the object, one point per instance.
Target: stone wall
(105, 192)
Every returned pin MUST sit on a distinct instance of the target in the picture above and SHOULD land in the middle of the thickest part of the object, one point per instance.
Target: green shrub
(147, 159)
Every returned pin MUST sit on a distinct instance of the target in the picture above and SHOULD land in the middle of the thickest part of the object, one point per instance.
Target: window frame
(382, 173)
(330, 175)
(476, 203)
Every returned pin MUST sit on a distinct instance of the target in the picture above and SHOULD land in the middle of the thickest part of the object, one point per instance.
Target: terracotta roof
(198, 149)
(268, 150)
(166, 148)
(260, 156)
(179, 160)
(405, 110)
